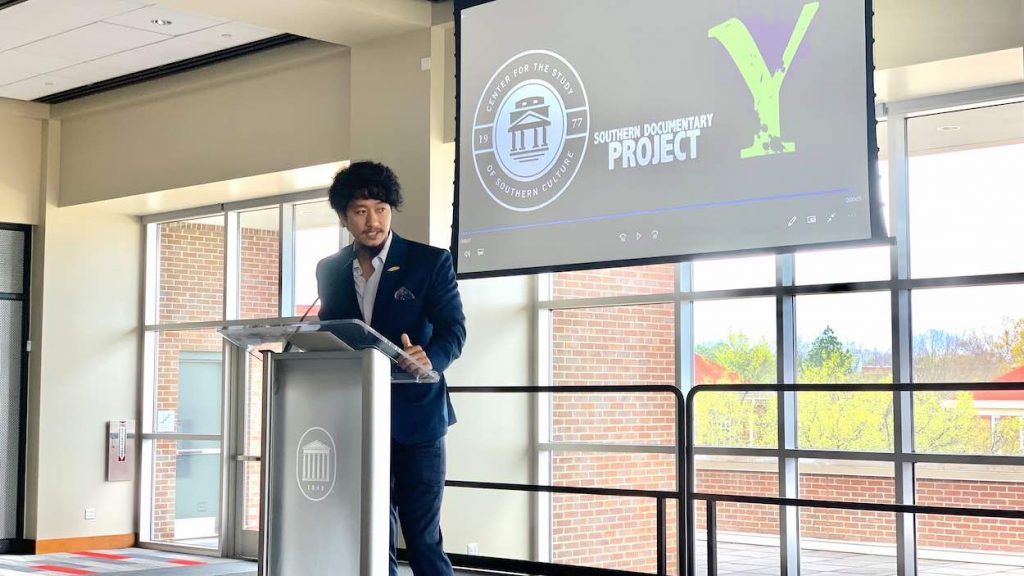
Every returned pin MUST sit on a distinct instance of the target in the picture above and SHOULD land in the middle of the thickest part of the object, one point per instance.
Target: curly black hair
(362, 180)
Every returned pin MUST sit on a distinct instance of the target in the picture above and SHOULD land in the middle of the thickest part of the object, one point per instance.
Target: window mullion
(789, 517)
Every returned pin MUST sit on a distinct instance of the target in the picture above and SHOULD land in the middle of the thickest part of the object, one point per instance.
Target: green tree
(752, 362)
(737, 418)
(841, 420)
(827, 361)
(1008, 439)
(859, 421)
(943, 422)
(948, 423)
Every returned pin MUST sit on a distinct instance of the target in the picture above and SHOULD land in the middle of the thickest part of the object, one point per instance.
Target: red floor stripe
(102, 555)
(187, 562)
(61, 569)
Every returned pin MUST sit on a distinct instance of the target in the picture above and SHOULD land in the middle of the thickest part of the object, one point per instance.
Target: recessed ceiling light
(47, 83)
(161, 22)
(949, 128)
(227, 35)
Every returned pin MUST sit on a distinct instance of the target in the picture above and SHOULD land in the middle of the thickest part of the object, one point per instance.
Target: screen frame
(878, 235)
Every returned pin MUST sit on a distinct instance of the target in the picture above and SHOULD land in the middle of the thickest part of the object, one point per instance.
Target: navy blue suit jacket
(432, 318)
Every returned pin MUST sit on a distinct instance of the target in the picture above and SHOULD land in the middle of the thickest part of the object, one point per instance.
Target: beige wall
(493, 440)
(442, 131)
(21, 156)
(85, 370)
(391, 106)
(84, 366)
(49, 190)
(277, 110)
(910, 32)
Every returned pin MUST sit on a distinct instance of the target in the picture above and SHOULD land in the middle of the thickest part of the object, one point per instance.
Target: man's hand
(417, 354)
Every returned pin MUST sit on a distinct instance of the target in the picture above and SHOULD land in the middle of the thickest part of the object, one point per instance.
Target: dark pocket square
(403, 293)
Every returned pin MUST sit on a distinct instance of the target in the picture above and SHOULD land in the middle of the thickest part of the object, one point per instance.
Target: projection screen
(604, 133)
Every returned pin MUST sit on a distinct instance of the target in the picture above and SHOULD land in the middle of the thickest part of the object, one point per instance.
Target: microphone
(288, 341)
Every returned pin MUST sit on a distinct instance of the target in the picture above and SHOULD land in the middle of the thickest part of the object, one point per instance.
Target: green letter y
(764, 86)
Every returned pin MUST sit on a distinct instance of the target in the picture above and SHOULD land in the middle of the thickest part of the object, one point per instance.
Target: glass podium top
(315, 335)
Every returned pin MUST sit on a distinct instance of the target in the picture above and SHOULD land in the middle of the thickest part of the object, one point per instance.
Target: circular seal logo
(530, 130)
(316, 464)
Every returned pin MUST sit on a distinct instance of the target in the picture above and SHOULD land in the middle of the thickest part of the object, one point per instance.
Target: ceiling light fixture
(949, 128)
(161, 22)
(226, 35)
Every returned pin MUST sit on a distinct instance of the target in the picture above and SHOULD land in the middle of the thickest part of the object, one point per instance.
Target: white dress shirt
(366, 289)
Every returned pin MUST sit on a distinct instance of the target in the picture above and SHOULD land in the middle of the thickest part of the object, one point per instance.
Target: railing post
(662, 540)
(712, 528)
(687, 504)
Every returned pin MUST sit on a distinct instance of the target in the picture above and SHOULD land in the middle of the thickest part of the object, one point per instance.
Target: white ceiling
(345, 22)
(49, 46)
(988, 126)
(996, 125)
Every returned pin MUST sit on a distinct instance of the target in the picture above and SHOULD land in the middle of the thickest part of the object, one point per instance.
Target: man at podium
(406, 291)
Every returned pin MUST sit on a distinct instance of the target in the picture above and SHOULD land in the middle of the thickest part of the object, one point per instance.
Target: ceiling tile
(180, 22)
(232, 34)
(39, 19)
(49, 46)
(91, 42)
(135, 60)
(158, 54)
(16, 66)
(37, 87)
(154, 55)
(12, 36)
(95, 71)
(180, 48)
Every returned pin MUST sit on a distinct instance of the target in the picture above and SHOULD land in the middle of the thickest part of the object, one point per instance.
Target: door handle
(242, 458)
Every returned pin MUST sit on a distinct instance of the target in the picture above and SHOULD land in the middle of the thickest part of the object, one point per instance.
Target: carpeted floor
(124, 562)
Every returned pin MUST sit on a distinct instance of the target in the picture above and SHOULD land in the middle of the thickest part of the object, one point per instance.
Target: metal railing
(660, 496)
(712, 499)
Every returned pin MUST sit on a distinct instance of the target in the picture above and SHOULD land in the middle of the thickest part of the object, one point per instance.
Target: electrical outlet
(473, 549)
(90, 513)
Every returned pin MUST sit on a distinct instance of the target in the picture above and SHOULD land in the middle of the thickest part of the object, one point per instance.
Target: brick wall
(954, 532)
(260, 274)
(657, 279)
(602, 346)
(191, 277)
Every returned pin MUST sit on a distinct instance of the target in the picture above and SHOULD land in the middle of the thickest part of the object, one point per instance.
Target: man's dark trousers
(417, 483)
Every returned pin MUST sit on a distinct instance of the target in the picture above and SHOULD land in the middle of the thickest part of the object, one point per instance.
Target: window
(190, 268)
(950, 284)
(735, 344)
(225, 264)
(259, 268)
(732, 273)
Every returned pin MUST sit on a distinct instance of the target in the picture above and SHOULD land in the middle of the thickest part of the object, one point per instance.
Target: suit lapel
(390, 279)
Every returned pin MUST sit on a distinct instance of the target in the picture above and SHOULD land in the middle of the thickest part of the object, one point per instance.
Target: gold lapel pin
(394, 268)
